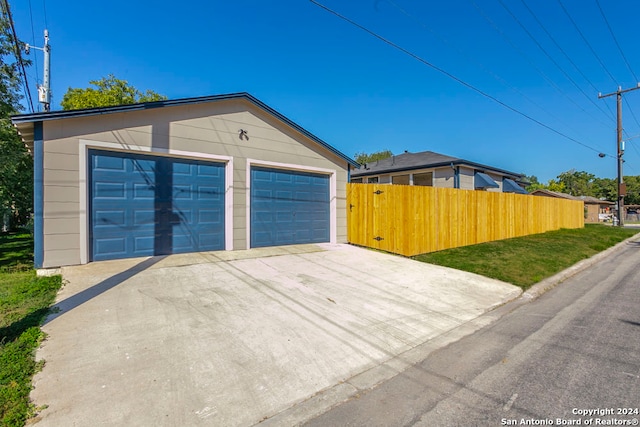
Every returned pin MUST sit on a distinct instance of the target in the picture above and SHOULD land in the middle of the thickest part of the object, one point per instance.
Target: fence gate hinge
(378, 238)
(378, 192)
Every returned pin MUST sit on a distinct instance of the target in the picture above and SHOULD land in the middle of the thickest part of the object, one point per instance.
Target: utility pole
(622, 188)
(44, 90)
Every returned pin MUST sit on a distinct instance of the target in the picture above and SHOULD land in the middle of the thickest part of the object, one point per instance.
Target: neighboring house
(595, 210)
(437, 170)
(211, 173)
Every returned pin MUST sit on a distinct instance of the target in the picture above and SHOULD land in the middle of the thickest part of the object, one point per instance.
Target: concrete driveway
(273, 335)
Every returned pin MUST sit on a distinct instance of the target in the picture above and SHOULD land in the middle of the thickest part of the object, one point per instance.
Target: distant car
(632, 211)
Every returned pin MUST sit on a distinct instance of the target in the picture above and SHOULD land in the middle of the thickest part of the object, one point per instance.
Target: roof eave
(457, 162)
(25, 121)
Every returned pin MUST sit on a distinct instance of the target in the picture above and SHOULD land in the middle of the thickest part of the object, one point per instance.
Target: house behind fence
(410, 220)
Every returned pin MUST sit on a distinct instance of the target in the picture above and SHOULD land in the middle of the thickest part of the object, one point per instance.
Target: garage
(288, 207)
(142, 205)
(214, 173)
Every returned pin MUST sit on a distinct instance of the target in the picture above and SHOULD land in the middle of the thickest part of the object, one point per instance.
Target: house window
(424, 179)
(372, 180)
(356, 180)
(400, 180)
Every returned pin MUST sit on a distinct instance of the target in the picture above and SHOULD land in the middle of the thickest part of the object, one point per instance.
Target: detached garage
(199, 174)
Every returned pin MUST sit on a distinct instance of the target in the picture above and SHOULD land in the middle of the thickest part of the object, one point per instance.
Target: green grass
(24, 302)
(524, 261)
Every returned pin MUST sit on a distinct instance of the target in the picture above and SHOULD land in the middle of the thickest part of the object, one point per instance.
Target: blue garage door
(146, 205)
(288, 207)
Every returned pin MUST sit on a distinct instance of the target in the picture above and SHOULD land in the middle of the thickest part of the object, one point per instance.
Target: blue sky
(360, 94)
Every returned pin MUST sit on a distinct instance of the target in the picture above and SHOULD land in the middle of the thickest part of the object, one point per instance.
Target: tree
(363, 157)
(578, 183)
(633, 190)
(534, 184)
(605, 188)
(16, 165)
(108, 91)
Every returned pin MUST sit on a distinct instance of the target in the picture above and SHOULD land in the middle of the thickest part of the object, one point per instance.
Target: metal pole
(620, 152)
(620, 149)
(45, 82)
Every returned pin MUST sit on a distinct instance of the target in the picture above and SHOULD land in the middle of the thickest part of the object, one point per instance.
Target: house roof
(594, 200)
(549, 193)
(425, 159)
(586, 199)
(25, 122)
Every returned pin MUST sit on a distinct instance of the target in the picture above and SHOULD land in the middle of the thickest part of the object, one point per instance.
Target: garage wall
(210, 128)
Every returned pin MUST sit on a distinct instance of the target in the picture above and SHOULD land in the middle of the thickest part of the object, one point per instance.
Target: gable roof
(25, 122)
(549, 193)
(424, 159)
(586, 199)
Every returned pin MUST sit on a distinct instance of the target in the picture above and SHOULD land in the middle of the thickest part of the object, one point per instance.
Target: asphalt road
(571, 357)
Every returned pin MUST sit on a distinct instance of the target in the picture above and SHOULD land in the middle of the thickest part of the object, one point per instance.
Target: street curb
(549, 283)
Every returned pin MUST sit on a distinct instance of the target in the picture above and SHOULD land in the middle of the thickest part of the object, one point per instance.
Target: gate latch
(378, 238)
(378, 192)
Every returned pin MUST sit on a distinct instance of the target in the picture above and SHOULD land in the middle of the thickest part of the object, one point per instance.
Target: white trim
(333, 226)
(86, 144)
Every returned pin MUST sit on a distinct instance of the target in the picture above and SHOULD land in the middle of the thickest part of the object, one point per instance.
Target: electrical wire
(557, 45)
(18, 53)
(451, 76)
(544, 51)
(631, 111)
(33, 40)
(613, 36)
(44, 10)
(532, 63)
(479, 64)
(604, 67)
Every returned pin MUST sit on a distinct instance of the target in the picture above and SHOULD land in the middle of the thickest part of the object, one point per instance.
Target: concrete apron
(273, 335)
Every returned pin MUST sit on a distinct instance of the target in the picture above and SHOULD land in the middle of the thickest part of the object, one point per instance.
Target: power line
(451, 76)
(635, 78)
(33, 39)
(44, 10)
(604, 67)
(531, 63)
(494, 75)
(578, 69)
(635, 119)
(18, 53)
(553, 61)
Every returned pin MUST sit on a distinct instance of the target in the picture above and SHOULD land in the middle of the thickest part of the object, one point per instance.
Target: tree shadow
(13, 331)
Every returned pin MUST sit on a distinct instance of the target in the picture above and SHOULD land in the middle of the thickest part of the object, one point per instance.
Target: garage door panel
(143, 244)
(110, 163)
(161, 199)
(114, 245)
(208, 193)
(288, 207)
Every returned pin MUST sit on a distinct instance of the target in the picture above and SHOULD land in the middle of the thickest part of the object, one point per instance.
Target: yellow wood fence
(411, 220)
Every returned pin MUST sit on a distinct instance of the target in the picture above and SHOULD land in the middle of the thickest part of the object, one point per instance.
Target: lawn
(524, 261)
(24, 302)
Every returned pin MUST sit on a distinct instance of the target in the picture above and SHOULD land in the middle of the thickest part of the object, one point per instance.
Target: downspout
(38, 195)
(348, 172)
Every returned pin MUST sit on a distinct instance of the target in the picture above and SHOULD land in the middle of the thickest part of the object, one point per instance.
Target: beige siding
(467, 179)
(209, 128)
(498, 180)
(443, 177)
